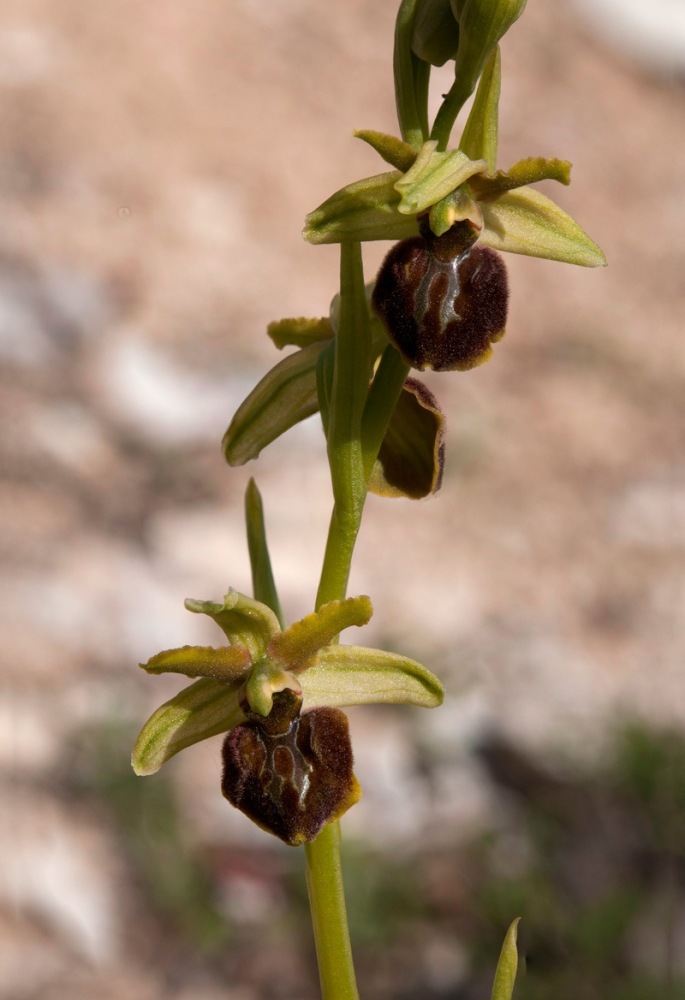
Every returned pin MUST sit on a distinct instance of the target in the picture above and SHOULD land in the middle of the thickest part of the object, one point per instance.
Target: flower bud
(482, 23)
(435, 38)
(443, 299)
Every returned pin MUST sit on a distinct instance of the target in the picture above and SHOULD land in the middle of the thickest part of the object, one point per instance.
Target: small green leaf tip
(505, 976)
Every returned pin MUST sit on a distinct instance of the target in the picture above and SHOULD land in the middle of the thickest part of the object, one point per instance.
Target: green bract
(241, 679)
(505, 974)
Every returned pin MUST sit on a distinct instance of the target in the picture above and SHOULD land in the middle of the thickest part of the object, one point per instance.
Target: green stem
(357, 421)
(338, 557)
(329, 919)
(385, 391)
(452, 104)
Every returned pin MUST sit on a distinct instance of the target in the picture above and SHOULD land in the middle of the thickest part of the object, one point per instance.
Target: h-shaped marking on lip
(301, 768)
(422, 296)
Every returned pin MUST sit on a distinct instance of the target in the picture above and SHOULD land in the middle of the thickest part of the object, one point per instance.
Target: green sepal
(299, 331)
(363, 211)
(412, 456)
(529, 171)
(228, 663)
(263, 584)
(285, 396)
(433, 176)
(205, 708)
(480, 135)
(355, 675)
(396, 152)
(244, 621)
(505, 975)
(264, 682)
(527, 222)
(302, 640)
(435, 38)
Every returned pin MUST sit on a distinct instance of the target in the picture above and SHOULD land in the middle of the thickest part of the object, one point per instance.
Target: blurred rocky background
(156, 163)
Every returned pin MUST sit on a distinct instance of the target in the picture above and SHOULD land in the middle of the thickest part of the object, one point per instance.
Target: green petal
(528, 171)
(355, 675)
(299, 332)
(204, 709)
(433, 176)
(296, 646)
(285, 396)
(396, 152)
(505, 976)
(411, 459)
(228, 663)
(363, 211)
(479, 138)
(245, 622)
(525, 221)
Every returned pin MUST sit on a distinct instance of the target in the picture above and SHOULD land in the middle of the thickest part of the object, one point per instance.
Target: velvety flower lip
(240, 681)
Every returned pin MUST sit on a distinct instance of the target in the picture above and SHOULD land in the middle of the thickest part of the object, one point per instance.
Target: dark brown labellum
(292, 775)
(443, 301)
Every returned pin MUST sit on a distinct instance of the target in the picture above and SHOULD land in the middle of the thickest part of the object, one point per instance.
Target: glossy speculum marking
(290, 773)
(443, 300)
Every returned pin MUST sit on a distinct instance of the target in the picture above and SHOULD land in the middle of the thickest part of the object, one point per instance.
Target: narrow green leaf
(505, 976)
(205, 708)
(394, 151)
(434, 176)
(362, 211)
(526, 222)
(303, 639)
(355, 675)
(285, 396)
(299, 331)
(479, 138)
(263, 584)
(244, 622)
(227, 663)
